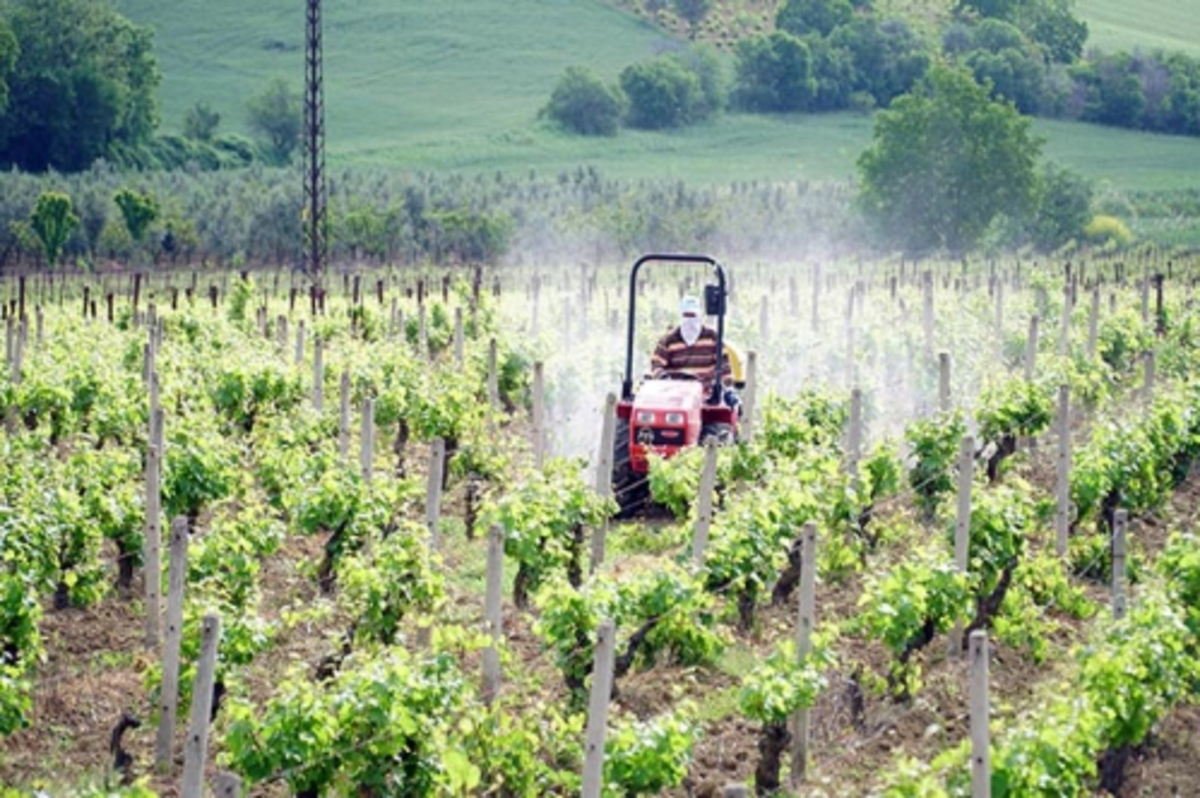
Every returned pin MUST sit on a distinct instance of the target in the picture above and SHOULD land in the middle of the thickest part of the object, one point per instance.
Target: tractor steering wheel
(678, 375)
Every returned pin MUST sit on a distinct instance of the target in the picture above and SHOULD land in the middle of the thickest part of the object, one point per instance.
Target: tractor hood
(683, 395)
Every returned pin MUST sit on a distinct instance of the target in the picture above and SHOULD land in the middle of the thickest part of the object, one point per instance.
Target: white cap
(689, 305)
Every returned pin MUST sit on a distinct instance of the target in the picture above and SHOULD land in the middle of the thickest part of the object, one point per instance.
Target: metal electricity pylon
(315, 214)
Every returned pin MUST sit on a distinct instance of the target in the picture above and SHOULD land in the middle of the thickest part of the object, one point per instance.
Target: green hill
(1125, 25)
(452, 76)
(457, 84)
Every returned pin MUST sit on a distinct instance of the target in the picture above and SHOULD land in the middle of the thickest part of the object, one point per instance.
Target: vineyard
(256, 541)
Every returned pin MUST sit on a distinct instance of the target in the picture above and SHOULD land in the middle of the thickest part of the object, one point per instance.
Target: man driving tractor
(690, 350)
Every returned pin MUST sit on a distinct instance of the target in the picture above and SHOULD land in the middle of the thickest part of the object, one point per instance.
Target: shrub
(662, 93)
(582, 104)
(774, 74)
(1104, 230)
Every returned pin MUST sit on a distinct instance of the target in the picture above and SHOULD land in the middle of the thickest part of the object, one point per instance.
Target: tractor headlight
(645, 417)
(675, 418)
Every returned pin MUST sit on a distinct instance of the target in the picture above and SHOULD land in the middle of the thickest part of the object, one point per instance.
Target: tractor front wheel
(722, 433)
(630, 488)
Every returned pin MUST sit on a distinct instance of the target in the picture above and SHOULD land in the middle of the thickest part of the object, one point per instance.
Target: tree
(693, 13)
(945, 162)
(277, 115)
(662, 93)
(138, 209)
(801, 17)
(83, 87)
(1052, 25)
(8, 59)
(774, 74)
(994, 9)
(582, 104)
(889, 58)
(1112, 89)
(201, 122)
(833, 68)
(52, 221)
(703, 61)
(995, 35)
(1013, 75)
(1064, 208)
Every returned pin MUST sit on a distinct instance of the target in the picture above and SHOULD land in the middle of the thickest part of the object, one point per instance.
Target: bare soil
(96, 666)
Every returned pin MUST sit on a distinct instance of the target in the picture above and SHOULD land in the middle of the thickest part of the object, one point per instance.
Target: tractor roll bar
(627, 383)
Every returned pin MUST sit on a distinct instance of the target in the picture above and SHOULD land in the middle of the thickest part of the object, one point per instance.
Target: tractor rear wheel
(630, 488)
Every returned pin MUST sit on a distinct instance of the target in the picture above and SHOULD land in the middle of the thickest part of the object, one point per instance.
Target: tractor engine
(665, 417)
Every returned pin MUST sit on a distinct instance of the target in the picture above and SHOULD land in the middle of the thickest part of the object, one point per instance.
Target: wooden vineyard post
(148, 360)
(1144, 284)
(537, 297)
(493, 378)
(749, 396)
(1160, 318)
(597, 719)
(851, 363)
(422, 333)
(300, 342)
(1031, 344)
(1093, 323)
(854, 437)
(318, 391)
(1064, 331)
(493, 617)
(944, 382)
(539, 415)
(981, 759)
(367, 442)
(804, 628)
(16, 355)
(168, 703)
(433, 492)
(433, 512)
(1062, 518)
(927, 315)
(704, 511)
(458, 336)
(344, 417)
(962, 526)
(22, 338)
(1148, 380)
(1120, 525)
(196, 748)
(604, 469)
(281, 334)
(153, 535)
(764, 320)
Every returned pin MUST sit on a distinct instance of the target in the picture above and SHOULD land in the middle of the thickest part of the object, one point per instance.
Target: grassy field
(400, 77)
(457, 84)
(1123, 24)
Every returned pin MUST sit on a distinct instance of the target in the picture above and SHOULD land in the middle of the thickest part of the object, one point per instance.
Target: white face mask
(689, 328)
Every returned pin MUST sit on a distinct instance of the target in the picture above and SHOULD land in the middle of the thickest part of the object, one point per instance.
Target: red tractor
(670, 413)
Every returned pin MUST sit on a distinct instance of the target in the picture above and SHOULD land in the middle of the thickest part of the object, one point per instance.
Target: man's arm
(660, 361)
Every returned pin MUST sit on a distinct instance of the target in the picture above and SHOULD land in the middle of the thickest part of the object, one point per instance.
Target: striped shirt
(699, 360)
